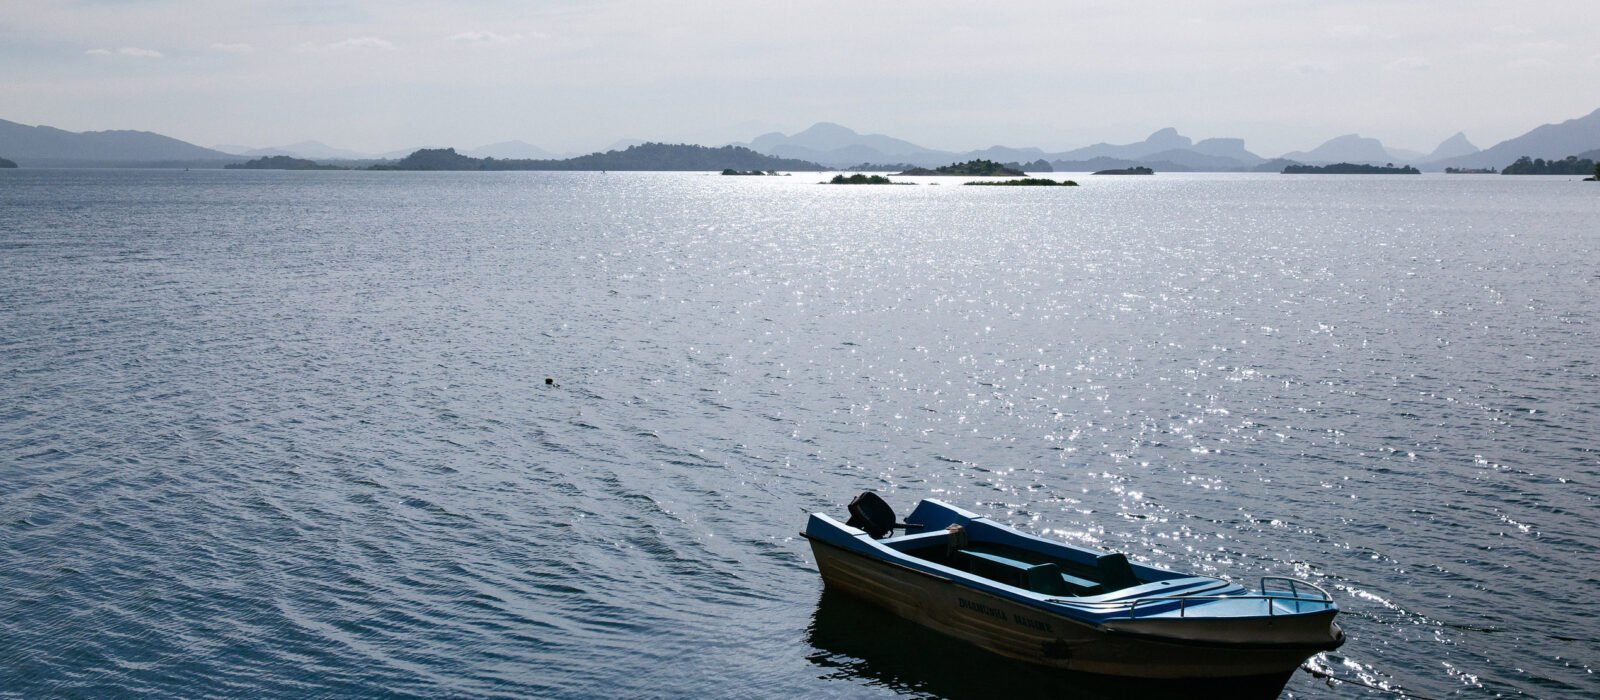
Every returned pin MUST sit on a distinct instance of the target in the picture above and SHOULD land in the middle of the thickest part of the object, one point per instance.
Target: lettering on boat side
(999, 614)
(1031, 623)
(980, 607)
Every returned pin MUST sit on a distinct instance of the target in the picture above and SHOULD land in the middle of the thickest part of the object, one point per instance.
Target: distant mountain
(1006, 154)
(1189, 159)
(831, 144)
(838, 146)
(1350, 148)
(281, 163)
(512, 149)
(1107, 163)
(1276, 165)
(1227, 148)
(403, 152)
(1167, 139)
(1452, 147)
(623, 145)
(827, 136)
(47, 146)
(663, 156)
(308, 149)
(1164, 151)
(1550, 141)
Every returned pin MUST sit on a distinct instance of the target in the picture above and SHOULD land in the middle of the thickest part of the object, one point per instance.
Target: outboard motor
(869, 513)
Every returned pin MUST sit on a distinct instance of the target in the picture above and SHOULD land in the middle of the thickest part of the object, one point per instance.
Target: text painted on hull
(998, 614)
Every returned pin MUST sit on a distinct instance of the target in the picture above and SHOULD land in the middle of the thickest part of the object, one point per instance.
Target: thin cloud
(233, 48)
(485, 38)
(129, 51)
(359, 43)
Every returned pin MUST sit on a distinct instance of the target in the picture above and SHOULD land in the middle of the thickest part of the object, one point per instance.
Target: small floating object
(1067, 607)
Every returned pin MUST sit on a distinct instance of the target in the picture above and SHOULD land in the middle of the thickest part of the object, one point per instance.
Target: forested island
(1135, 170)
(731, 171)
(1470, 171)
(7, 163)
(971, 168)
(648, 156)
(1026, 182)
(281, 163)
(859, 179)
(1571, 165)
(1350, 169)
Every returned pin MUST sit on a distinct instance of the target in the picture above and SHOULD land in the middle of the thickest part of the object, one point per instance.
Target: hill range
(834, 146)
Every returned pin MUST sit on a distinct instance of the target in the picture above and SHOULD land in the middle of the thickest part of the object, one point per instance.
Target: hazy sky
(575, 76)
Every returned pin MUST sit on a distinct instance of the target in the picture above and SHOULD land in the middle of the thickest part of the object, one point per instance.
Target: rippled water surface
(288, 434)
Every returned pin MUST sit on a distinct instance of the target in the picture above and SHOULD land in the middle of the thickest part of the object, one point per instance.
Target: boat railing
(1292, 592)
(1294, 585)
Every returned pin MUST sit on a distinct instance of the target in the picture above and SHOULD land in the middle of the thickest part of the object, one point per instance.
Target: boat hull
(1143, 648)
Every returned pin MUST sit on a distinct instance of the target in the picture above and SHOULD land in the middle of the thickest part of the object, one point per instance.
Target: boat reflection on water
(855, 640)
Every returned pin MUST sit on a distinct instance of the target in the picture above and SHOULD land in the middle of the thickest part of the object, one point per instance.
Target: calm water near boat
(288, 434)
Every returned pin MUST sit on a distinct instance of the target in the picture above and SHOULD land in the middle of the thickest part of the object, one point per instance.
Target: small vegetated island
(731, 171)
(971, 168)
(280, 163)
(1470, 171)
(7, 163)
(1025, 182)
(1350, 169)
(859, 179)
(1571, 165)
(1135, 170)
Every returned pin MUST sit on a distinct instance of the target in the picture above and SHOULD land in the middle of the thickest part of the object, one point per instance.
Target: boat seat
(1044, 578)
(921, 540)
(1115, 572)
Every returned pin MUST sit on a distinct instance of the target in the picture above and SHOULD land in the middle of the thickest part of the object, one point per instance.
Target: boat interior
(990, 552)
(1016, 566)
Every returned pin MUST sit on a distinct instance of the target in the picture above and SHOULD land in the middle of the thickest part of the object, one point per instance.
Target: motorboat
(1050, 603)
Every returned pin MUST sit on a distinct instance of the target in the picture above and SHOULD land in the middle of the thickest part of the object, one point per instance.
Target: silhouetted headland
(281, 163)
(1135, 170)
(1571, 165)
(649, 156)
(1350, 169)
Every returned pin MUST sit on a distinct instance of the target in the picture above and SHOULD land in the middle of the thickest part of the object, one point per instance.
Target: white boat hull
(1148, 647)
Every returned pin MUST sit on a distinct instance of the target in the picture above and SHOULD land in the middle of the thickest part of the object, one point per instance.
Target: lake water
(288, 434)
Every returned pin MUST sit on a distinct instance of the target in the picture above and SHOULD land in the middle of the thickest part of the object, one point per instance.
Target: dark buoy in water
(549, 382)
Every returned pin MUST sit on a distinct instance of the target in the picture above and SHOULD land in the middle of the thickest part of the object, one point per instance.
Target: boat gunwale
(1102, 628)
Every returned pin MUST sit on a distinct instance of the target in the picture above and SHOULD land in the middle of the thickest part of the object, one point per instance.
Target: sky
(378, 76)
